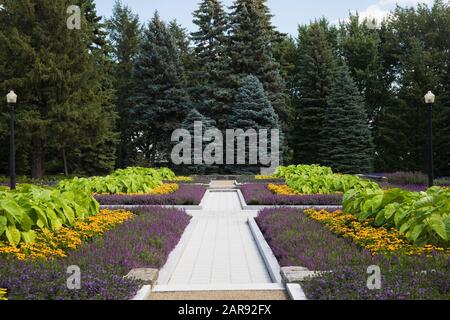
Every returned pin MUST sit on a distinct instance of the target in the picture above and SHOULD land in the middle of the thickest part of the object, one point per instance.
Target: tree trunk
(66, 170)
(37, 170)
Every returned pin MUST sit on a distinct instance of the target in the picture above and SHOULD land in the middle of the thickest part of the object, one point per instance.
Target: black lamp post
(429, 100)
(11, 99)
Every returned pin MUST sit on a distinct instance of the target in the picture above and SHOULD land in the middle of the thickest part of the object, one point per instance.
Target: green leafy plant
(423, 217)
(130, 180)
(320, 180)
(31, 207)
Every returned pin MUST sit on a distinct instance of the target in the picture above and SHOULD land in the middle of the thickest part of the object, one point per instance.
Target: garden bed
(259, 194)
(298, 240)
(191, 195)
(144, 241)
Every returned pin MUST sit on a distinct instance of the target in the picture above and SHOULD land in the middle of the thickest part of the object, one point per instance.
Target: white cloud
(382, 9)
(374, 12)
(403, 2)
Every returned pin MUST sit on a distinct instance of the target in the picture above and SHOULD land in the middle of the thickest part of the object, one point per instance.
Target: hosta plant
(30, 207)
(305, 179)
(423, 217)
(130, 180)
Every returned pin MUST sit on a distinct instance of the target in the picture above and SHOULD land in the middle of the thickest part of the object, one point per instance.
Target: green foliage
(65, 109)
(30, 207)
(321, 180)
(124, 34)
(348, 147)
(315, 74)
(252, 110)
(160, 100)
(130, 180)
(210, 88)
(251, 41)
(423, 217)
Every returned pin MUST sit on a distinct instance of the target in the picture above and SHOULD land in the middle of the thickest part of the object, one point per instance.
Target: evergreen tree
(124, 33)
(159, 98)
(252, 110)
(316, 71)
(183, 43)
(359, 44)
(252, 38)
(414, 44)
(348, 147)
(65, 100)
(211, 91)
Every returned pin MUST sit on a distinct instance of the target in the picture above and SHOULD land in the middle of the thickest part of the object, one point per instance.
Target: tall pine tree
(252, 38)
(65, 102)
(124, 33)
(348, 147)
(160, 102)
(316, 71)
(211, 91)
(252, 110)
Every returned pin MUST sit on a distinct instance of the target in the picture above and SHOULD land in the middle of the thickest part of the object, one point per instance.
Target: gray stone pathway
(217, 251)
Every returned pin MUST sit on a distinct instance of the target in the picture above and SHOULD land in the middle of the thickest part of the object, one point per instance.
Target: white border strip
(296, 292)
(266, 252)
(143, 294)
(174, 258)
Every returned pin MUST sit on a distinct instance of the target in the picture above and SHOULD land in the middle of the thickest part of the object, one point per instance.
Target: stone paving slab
(220, 248)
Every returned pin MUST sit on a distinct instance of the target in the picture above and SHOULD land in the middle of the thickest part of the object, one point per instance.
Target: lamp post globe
(11, 99)
(429, 101)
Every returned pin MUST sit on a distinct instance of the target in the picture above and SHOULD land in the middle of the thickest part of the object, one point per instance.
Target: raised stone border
(148, 276)
(296, 292)
(175, 255)
(266, 252)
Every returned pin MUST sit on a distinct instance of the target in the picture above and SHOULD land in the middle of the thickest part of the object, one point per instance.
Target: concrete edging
(296, 292)
(174, 257)
(143, 294)
(266, 252)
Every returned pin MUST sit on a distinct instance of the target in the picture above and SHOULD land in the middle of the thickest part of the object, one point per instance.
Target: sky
(288, 13)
